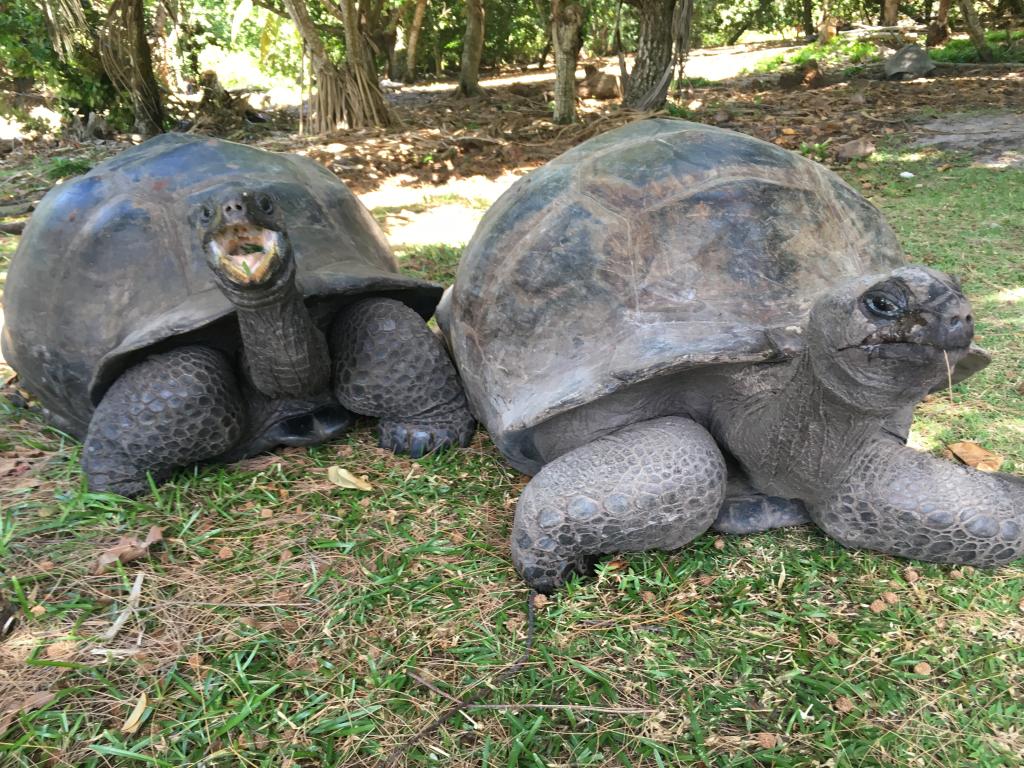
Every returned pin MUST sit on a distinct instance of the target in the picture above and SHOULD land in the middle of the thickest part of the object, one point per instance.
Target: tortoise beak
(244, 253)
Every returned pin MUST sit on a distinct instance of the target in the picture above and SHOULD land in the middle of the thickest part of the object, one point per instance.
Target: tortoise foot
(653, 485)
(417, 440)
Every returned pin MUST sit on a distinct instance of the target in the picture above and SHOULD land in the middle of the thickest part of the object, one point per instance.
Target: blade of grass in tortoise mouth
(246, 253)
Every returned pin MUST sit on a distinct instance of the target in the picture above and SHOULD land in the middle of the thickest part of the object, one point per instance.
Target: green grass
(285, 621)
(836, 52)
(968, 221)
(1006, 47)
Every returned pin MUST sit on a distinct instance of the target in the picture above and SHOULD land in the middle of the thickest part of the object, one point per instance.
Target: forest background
(280, 619)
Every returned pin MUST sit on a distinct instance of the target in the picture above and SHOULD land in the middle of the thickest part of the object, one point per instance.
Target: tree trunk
(567, 39)
(124, 51)
(413, 41)
(346, 96)
(807, 18)
(472, 49)
(647, 85)
(890, 12)
(938, 28)
(975, 30)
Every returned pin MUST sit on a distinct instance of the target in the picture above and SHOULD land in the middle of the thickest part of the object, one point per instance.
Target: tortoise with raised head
(192, 299)
(674, 326)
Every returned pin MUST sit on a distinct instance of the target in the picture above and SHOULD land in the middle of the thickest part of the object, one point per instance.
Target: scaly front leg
(906, 503)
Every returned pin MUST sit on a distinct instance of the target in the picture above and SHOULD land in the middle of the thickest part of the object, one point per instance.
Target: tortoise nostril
(969, 319)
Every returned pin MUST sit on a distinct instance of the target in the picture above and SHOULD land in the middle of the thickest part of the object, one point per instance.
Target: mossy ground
(284, 621)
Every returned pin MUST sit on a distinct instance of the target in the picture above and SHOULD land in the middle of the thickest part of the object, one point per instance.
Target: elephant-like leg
(657, 484)
(171, 410)
(388, 364)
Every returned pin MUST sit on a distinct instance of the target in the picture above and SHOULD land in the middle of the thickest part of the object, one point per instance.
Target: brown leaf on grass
(129, 548)
(767, 740)
(344, 479)
(131, 725)
(973, 455)
(62, 650)
(37, 610)
(37, 700)
(843, 704)
(13, 467)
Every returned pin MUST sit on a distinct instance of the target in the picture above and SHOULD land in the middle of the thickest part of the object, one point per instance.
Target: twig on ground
(475, 693)
(133, 604)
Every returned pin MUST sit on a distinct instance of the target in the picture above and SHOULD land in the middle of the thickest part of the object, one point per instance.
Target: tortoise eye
(266, 203)
(880, 305)
(205, 214)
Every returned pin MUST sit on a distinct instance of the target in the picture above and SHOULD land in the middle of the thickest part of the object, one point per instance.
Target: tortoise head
(883, 341)
(244, 238)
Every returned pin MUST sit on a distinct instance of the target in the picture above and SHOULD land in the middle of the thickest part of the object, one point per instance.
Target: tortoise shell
(659, 246)
(111, 264)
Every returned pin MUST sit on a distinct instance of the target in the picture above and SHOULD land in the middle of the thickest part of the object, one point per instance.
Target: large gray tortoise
(193, 299)
(674, 326)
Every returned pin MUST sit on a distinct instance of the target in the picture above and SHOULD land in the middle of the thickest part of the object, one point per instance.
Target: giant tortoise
(193, 299)
(674, 326)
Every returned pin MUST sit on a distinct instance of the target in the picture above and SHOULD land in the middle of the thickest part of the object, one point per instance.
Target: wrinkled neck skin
(285, 354)
(793, 436)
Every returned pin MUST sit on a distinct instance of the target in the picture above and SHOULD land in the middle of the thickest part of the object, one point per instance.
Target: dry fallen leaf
(973, 455)
(37, 610)
(922, 668)
(766, 740)
(35, 701)
(345, 479)
(843, 704)
(129, 548)
(131, 725)
(62, 650)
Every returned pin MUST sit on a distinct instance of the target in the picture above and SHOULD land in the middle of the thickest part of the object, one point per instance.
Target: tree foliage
(58, 47)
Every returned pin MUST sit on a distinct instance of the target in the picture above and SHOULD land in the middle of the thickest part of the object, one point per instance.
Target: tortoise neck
(285, 354)
(799, 439)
